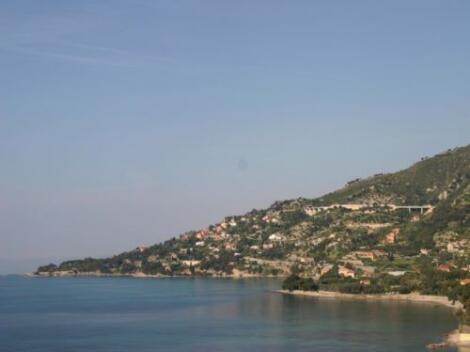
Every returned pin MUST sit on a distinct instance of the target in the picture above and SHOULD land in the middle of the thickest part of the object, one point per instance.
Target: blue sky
(128, 122)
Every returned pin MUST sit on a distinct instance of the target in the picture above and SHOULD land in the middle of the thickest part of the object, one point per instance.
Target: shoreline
(410, 297)
(455, 338)
(59, 274)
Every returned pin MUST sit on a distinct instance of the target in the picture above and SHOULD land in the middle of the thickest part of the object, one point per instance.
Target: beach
(455, 338)
(411, 297)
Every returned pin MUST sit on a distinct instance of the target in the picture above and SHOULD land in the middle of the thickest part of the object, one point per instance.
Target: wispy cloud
(93, 55)
(31, 51)
(64, 38)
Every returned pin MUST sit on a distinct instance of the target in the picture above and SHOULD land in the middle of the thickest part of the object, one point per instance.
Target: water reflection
(388, 326)
(99, 315)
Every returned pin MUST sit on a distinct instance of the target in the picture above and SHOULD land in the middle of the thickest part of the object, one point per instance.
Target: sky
(129, 122)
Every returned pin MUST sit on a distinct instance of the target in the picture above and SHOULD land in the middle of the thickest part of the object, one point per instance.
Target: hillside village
(401, 232)
(272, 242)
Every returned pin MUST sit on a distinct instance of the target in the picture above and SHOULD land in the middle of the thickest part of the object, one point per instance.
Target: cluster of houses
(225, 236)
(218, 233)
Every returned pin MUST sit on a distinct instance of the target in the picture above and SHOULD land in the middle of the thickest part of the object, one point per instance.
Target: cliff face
(359, 230)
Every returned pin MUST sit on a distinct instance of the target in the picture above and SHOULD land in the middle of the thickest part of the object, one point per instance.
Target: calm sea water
(124, 314)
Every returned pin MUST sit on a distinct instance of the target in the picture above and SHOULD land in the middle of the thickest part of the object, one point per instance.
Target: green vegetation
(422, 183)
(295, 282)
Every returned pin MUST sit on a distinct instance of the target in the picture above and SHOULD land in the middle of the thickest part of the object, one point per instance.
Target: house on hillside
(391, 237)
(141, 248)
(346, 272)
(444, 268)
(270, 219)
(325, 269)
(230, 246)
(365, 255)
(268, 246)
(191, 263)
(465, 282)
(275, 237)
(202, 234)
(310, 211)
(424, 251)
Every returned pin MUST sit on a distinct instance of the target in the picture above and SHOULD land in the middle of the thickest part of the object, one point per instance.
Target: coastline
(410, 297)
(236, 275)
(455, 338)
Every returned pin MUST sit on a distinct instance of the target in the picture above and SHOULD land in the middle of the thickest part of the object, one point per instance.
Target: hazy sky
(128, 122)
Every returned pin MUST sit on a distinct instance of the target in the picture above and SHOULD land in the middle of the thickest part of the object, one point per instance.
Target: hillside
(425, 182)
(361, 237)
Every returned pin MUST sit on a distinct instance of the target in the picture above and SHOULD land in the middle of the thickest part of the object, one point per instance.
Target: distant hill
(426, 182)
(407, 230)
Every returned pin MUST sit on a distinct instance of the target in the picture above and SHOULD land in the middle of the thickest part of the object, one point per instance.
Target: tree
(295, 282)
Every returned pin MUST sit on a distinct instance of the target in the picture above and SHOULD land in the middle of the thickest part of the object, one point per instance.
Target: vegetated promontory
(399, 232)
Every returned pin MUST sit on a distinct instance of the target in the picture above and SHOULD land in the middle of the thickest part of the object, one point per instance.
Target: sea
(192, 315)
